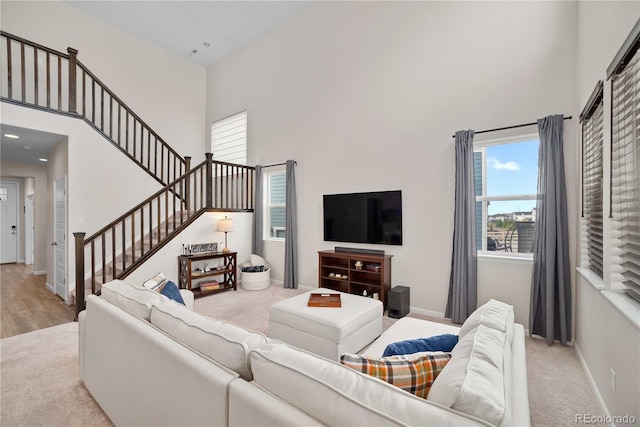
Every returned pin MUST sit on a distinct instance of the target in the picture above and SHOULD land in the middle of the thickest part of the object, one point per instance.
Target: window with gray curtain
(592, 175)
(276, 205)
(625, 194)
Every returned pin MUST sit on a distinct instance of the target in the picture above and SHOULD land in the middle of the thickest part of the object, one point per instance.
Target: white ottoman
(326, 331)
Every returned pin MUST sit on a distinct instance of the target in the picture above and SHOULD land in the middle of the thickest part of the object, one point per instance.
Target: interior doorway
(9, 222)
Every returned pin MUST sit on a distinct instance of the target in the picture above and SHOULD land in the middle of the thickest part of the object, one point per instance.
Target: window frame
(230, 119)
(481, 146)
(592, 121)
(267, 205)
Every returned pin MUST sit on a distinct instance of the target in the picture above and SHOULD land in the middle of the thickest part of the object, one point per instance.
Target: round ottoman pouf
(256, 281)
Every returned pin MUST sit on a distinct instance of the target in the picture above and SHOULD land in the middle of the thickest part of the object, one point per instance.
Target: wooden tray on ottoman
(324, 300)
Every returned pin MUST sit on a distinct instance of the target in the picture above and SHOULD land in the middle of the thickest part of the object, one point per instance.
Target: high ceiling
(178, 26)
(183, 27)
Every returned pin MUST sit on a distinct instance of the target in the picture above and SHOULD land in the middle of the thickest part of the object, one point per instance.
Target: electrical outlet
(612, 379)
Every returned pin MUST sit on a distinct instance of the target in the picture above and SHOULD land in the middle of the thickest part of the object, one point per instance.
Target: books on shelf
(210, 285)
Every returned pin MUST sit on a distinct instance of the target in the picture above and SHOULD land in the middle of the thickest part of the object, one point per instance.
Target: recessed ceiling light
(193, 52)
(9, 135)
(27, 147)
(206, 44)
(44, 160)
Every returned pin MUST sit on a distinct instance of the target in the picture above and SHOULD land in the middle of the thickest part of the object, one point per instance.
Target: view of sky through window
(512, 169)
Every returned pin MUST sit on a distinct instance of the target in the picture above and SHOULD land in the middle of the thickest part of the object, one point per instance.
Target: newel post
(209, 186)
(187, 182)
(80, 303)
(73, 65)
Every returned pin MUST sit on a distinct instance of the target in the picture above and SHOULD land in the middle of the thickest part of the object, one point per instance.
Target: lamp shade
(225, 225)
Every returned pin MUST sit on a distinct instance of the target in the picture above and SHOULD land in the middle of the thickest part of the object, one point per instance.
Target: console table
(355, 273)
(191, 272)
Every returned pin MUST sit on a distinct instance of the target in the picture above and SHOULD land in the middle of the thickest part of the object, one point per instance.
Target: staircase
(63, 85)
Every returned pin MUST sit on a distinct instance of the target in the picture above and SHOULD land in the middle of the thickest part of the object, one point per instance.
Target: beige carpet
(40, 386)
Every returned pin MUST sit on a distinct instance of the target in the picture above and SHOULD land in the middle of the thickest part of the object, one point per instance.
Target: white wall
(203, 230)
(102, 183)
(366, 95)
(165, 90)
(606, 339)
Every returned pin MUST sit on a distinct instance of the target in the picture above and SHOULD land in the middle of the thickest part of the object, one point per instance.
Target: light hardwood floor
(26, 304)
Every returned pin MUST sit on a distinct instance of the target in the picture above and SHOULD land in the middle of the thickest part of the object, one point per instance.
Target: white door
(29, 229)
(8, 222)
(60, 233)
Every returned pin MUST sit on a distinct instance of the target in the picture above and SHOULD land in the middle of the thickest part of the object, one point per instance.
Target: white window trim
(481, 146)
(265, 225)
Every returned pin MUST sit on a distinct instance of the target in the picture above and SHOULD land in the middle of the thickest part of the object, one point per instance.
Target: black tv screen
(363, 217)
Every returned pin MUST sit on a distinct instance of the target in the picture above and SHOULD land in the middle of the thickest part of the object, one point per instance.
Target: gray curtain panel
(463, 288)
(291, 230)
(257, 242)
(550, 312)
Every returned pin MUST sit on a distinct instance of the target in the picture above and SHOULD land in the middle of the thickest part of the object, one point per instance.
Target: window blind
(625, 194)
(592, 176)
(229, 139)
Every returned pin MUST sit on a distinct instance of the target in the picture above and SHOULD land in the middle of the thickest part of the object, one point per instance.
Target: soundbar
(360, 251)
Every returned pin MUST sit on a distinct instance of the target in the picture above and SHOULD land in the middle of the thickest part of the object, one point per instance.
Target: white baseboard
(39, 272)
(51, 288)
(592, 382)
(425, 312)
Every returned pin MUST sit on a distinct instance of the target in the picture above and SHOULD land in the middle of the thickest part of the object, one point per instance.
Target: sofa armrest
(82, 319)
(187, 296)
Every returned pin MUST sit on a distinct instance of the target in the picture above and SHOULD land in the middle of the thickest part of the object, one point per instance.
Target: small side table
(190, 278)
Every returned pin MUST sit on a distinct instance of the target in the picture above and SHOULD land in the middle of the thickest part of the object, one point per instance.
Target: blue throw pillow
(444, 343)
(170, 290)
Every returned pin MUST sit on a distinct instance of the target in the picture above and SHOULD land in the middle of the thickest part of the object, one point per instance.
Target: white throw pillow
(473, 381)
(258, 260)
(494, 314)
(223, 342)
(135, 300)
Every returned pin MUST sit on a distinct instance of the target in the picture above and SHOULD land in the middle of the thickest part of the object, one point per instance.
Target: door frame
(62, 179)
(18, 184)
(29, 229)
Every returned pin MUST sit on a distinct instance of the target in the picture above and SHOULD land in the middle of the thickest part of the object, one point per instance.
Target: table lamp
(225, 225)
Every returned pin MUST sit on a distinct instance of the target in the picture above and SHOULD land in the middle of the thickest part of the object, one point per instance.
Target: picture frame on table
(204, 247)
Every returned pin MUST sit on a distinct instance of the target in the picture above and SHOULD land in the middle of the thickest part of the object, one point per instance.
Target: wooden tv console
(355, 273)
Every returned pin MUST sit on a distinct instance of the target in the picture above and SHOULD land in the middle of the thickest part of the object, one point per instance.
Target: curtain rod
(510, 127)
(278, 164)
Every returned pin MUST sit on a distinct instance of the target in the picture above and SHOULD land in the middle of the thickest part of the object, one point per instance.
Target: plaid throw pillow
(411, 372)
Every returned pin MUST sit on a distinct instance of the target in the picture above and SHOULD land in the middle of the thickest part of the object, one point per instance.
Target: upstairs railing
(39, 77)
(123, 245)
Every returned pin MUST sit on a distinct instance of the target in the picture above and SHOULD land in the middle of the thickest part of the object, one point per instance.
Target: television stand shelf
(355, 273)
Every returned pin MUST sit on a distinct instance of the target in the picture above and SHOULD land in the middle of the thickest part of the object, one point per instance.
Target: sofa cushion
(473, 381)
(223, 342)
(135, 300)
(444, 342)
(413, 373)
(493, 314)
(347, 397)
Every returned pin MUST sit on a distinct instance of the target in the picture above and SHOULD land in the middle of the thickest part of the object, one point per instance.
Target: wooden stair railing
(123, 245)
(45, 79)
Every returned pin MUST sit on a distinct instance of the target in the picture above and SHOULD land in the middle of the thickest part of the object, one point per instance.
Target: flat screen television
(374, 217)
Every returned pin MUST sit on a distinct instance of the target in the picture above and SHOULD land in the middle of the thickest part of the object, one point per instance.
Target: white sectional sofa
(150, 361)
